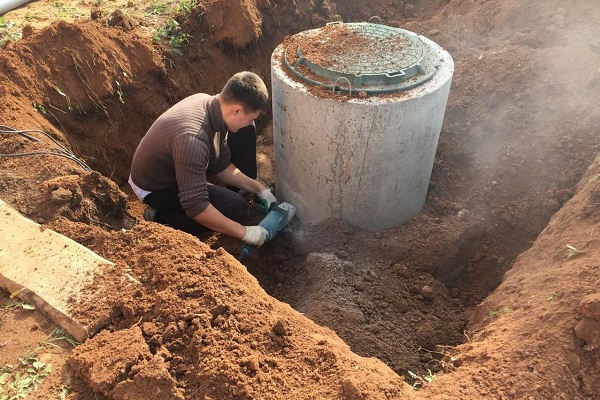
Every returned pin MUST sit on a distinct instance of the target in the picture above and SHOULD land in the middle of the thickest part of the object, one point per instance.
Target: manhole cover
(367, 57)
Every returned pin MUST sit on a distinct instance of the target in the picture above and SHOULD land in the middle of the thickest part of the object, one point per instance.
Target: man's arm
(215, 221)
(234, 177)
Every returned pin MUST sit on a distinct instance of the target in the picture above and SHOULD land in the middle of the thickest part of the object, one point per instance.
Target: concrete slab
(49, 270)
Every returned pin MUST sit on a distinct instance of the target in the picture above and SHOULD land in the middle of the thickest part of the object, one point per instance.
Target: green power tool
(278, 217)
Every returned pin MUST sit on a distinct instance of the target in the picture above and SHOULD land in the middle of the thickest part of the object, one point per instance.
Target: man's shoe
(150, 214)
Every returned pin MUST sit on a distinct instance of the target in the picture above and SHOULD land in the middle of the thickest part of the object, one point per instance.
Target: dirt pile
(536, 335)
(213, 328)
(520, 131)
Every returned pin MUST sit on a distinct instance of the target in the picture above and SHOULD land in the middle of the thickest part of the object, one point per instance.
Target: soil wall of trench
(202, 325)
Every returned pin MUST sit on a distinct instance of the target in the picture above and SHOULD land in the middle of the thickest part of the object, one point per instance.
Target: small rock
(317, 20)
(375, 328)
(401, 270)
(252, 364)
(553, 205)
(506, 217)
(220, 309)
(350, 390)
(573, 362)
(280, 328)
(427, 292)
(401, 305)
(61, 195)
(96, 13)
(118, 18)
(343, 254)
(589, 307)
(27, 31)
(589, 331)
(321, 340)
(426, 335)
(359, 286)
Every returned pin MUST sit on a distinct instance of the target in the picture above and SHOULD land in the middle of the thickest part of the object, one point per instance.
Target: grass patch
(16, 381)
(572, 251)
(9, 31)
(169, 30)
(58, 335)
(420, 381)
(163, 16)
(497, 313)
(67, 10)
(13, 303)
(19, 380)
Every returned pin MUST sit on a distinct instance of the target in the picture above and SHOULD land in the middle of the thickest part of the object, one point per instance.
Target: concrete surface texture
(50, 271)
(366, 161)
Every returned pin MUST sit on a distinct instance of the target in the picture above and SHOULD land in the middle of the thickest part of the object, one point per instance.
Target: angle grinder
(278, 217)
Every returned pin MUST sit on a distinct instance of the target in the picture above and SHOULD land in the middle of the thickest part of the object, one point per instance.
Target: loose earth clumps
(490, 292)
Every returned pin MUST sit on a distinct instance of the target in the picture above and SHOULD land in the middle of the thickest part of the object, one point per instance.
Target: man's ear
(237, 110)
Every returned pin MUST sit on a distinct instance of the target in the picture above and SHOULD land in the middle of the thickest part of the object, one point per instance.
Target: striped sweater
(184, 146)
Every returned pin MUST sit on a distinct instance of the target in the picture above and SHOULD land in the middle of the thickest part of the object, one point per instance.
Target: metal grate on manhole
(367, 57)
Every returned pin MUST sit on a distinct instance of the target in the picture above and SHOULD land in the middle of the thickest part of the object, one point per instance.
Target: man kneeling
(188, 144)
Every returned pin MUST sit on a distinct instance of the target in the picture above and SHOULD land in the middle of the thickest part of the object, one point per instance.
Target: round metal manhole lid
(367, 57)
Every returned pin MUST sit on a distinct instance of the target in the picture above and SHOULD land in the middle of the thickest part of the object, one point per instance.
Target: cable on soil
(61, 151)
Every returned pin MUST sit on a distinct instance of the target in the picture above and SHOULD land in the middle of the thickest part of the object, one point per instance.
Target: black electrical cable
(61, 152)
(32, 153)
(8, 129)
(24, 133)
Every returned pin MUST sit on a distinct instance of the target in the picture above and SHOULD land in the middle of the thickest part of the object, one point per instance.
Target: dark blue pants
(242, 145)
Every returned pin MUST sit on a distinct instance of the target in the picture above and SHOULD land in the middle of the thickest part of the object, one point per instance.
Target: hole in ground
(397, 295)
(382, 293)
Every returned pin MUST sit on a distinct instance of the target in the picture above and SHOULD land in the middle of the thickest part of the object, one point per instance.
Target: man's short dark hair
(248, 89)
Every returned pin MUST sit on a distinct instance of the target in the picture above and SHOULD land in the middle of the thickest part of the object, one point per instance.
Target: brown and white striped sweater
(185, 145)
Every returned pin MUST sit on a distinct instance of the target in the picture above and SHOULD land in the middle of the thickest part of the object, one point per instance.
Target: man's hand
(267, 199)
(255, 235)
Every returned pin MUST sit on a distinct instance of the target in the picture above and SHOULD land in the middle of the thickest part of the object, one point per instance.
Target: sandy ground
(490, 292)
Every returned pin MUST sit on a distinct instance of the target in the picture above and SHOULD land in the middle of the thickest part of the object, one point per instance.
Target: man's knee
(231, 204)
(237, 207)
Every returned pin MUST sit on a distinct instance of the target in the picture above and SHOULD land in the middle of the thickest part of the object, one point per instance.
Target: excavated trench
(361, 285)
(397, 295)
(400, 295)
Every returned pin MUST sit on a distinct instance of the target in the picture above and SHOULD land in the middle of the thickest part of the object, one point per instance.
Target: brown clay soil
(491, 292)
